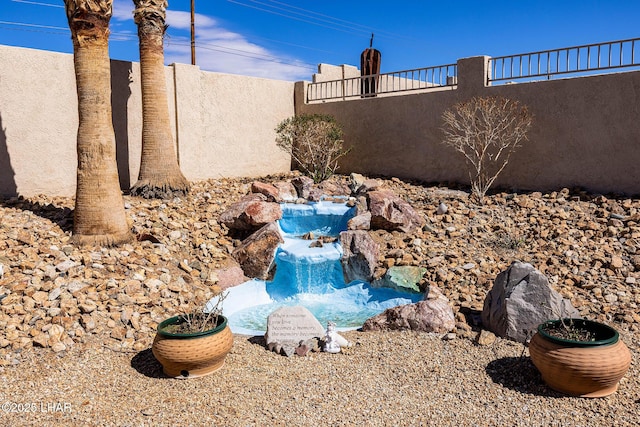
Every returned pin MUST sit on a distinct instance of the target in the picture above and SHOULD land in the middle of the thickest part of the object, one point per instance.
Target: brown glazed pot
(195, 354)
(581, 368)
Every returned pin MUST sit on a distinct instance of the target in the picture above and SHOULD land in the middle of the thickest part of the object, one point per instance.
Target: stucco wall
(38, 119)
(586, 132)
(223, 124)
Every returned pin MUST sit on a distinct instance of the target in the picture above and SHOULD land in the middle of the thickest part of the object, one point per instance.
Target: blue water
(310, 277)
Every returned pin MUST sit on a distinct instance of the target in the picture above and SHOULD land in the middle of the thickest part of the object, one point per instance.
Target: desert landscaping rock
(433, 314)
(83, 336)
(520, 300)
(360, 255)
(256, 253)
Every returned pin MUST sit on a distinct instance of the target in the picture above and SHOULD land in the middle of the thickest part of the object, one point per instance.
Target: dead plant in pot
(196, 342)
(579, 357)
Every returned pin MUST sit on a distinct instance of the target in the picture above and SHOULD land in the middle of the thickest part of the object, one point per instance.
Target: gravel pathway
(386, 379)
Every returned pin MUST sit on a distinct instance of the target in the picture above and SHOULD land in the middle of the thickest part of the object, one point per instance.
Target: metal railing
(382, 84)
(570, 60)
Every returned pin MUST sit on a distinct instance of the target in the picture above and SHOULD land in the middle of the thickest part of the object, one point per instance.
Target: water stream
(310, 276)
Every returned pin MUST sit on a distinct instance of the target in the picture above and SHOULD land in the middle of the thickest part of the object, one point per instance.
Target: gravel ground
(78, 324)
(394, 379)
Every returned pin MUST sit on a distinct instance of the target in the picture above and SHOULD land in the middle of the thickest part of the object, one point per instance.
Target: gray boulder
(521, 299)
(359, 255)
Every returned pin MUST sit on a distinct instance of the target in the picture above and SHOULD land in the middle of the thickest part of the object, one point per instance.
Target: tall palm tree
(99, 217)
(160, 174)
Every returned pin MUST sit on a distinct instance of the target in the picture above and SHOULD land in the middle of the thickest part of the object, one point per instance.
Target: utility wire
(307, 13)
(349, 31)
(128, 37)
(239, 52)
(37, 3)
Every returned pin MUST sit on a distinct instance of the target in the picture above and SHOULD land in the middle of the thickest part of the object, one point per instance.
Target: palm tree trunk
(99, 217)
(160, 175)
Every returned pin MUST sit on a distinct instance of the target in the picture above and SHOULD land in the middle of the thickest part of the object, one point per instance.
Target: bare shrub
(486, 130)
(315, 143)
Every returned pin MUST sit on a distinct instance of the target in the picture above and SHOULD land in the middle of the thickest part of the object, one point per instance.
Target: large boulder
(389, 212)
(433, 314)
(359, 255)
(256, 253)
(521, 299)
(251, 212)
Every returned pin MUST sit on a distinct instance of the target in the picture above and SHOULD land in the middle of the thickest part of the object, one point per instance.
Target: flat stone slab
(292, 325)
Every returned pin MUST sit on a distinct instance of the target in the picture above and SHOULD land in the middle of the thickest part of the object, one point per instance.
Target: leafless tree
(486, 130)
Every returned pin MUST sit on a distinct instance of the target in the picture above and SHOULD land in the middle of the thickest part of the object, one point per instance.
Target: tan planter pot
(581, 368)
(192, 355)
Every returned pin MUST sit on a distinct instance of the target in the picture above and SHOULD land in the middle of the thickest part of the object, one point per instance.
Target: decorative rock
(402, 278)
(355, 181)
(292, 325)
(64, 266)
(256, 253)
(521, 299)
(270, 191)
(58, 347)
(616, 262)
(286, 190)
(229, 276)
(485, 338)
(41, 340)
(251, 212)
(54, 294)
(368, 185)
(303, 185)
(442, 209)
(390, 212)
(433, 314)
(360, 222)
(359, 257)
(302, 349)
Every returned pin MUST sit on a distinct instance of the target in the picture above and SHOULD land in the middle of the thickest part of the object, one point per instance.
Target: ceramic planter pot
(195, 354)
(580, 368)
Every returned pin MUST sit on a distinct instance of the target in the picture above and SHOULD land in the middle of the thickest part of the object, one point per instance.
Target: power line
(240, 52)
(355, 31)
(354, 27)
(128, 37)
(38, 3)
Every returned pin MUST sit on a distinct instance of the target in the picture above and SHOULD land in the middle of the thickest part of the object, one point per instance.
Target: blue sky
(287, 39)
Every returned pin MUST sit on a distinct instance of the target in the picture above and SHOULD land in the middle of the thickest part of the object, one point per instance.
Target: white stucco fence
(586, 130)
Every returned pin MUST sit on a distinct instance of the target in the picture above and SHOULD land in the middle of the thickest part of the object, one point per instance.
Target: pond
(310, 276)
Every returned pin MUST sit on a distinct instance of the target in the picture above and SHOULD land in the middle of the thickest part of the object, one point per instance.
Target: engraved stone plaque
(292, 325)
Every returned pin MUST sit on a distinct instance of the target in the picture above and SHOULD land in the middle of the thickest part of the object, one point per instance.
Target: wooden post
(193, 33)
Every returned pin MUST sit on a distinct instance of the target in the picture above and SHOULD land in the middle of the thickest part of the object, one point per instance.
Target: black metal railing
(577, 60)
(382, 84)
